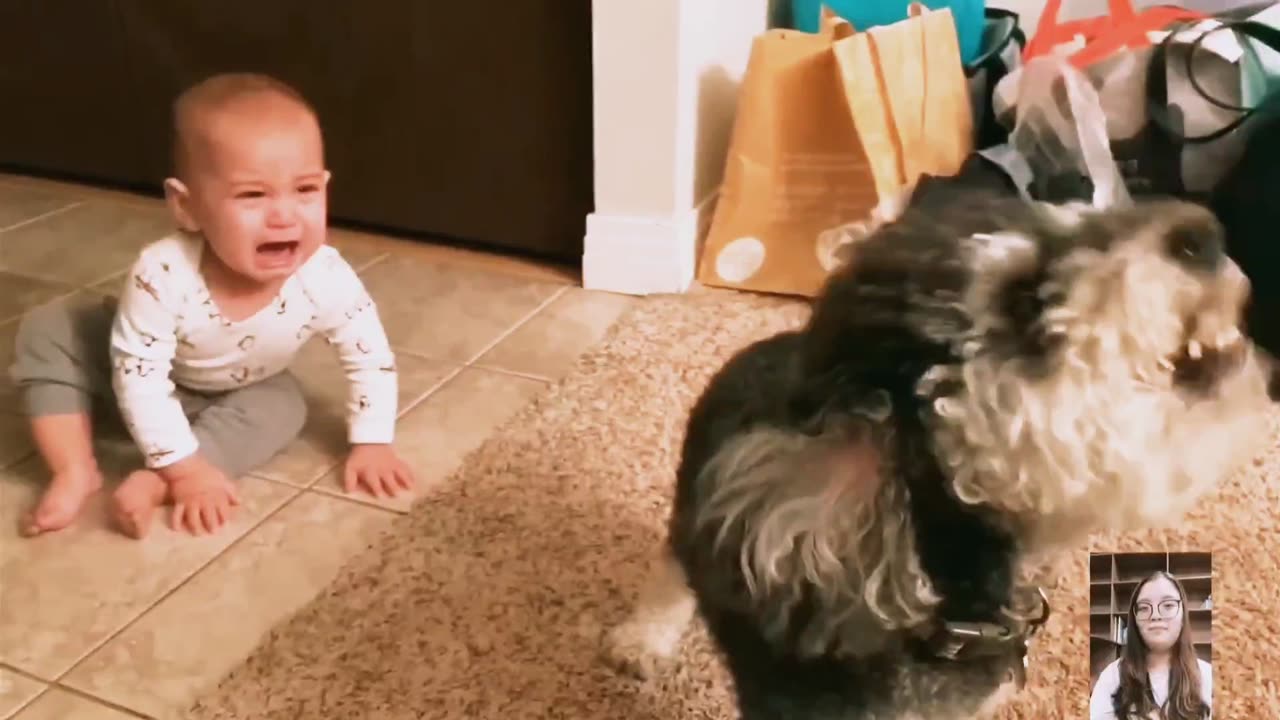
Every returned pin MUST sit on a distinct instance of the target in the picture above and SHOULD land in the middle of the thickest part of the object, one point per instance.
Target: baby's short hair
(214, 93)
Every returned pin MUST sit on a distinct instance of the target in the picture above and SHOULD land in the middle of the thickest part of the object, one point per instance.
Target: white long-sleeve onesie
(169, 332)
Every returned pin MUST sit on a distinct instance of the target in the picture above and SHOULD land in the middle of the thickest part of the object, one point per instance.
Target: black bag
(1247, 202)
(1192, 141)
(1002, 44)
(1173, 121)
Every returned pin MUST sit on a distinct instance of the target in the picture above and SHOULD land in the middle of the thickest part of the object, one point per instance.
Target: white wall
(666, 79)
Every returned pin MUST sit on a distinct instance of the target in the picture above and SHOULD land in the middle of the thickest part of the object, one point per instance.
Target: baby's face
(259, 192)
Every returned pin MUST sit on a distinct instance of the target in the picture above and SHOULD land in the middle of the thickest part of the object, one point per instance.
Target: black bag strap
(997, 17)
(1158, 109)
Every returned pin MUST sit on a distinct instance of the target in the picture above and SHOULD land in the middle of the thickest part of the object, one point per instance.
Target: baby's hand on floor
(378, 470)
(203, 502)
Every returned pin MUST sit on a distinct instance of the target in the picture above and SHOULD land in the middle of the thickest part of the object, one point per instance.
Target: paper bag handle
(832, 26)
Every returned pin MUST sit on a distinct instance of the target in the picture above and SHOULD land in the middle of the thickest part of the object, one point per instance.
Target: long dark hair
(1134, 693)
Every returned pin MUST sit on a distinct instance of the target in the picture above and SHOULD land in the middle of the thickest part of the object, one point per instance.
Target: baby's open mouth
(278, 249)
(1199, 365)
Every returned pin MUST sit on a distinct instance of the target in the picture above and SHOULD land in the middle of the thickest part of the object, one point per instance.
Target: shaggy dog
(860, 503)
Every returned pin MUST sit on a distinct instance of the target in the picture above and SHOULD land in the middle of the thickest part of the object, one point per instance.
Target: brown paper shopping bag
(818, 143)
(907, 80)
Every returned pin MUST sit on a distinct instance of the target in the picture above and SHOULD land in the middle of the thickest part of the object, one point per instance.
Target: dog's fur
(984, 381)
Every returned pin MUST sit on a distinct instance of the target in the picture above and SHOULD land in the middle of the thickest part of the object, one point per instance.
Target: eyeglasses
(1167, 608)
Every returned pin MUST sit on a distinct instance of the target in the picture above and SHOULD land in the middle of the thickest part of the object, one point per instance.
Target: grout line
(100, 701)
(328, 469)
(301, 486)
(471, 363)
(330, 494)
(41, 216)
(46, 686)
(273, 481)
(18, 461)
(181, 584)
(63, 296)
(43, 691)
(513, 373)
(362, 500)
(377, 260)
(91, 285)
(518, 324)
(63, 282)
(23, 673)
(297, 494)
(453, 374)
(424, 356)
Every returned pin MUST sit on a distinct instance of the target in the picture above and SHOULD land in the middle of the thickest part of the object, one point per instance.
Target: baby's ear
(178, 198)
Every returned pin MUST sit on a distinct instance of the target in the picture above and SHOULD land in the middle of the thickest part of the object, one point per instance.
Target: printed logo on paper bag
(740, 259)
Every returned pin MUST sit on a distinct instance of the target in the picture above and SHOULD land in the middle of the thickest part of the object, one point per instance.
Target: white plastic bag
(1060, 128)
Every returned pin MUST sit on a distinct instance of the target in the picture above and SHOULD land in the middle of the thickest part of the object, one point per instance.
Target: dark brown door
(178, 42)
(454, 119)
(69, 98)
(474, 121)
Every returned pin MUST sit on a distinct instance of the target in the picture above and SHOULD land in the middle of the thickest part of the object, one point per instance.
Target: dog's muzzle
(1214, 345)
(962, 641)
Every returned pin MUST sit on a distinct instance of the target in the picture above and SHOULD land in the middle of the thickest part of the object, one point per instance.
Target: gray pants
(62, 365)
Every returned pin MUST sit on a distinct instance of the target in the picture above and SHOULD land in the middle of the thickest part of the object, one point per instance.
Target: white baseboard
(644, 255)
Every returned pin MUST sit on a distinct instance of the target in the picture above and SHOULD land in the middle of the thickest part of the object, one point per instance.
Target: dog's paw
(641, 650)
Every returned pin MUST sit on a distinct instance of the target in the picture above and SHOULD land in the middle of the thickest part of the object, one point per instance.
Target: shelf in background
(1112, 581)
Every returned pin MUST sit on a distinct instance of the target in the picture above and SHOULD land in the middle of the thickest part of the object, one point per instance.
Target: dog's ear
(1005, 298)
(995, 258)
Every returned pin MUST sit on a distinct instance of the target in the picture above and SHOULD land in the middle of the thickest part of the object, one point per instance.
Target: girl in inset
(1158, 675)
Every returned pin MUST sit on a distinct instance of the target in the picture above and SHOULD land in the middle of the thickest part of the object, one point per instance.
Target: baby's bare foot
(136, 500)
(62, 500)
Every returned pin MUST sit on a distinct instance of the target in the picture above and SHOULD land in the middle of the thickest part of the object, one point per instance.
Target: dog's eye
(1195, 248)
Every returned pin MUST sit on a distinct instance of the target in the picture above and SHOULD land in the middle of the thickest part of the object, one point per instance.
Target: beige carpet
(488, 599)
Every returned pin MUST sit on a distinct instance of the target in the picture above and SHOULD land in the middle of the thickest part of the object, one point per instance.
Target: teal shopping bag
(1259, 63)
(863, 14)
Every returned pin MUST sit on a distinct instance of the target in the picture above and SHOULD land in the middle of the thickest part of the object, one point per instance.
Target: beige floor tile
(451, 312)
(8, 393)
(110, 285)
(323, 442)
(188, 641)
(19, 293)
(15, 691)
(85, 244)
(77, 192)
(65, 593)
(434, 437)
(423, 250)
(58, 704)
(360, 249)
(15, 441)
(549, 343)
(22, 203)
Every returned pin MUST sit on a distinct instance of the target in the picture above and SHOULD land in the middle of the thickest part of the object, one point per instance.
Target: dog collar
(961, 641)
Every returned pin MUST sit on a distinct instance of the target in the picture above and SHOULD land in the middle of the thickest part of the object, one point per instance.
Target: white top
(168, 330)
(1109, 680)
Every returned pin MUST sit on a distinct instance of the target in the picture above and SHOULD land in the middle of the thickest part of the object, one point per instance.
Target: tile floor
(136, 629)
